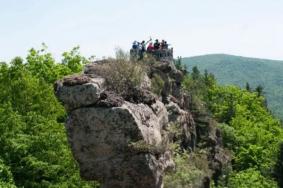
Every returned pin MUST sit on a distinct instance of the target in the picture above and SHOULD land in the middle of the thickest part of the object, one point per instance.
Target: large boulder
(115, 141)
(79, 91)
(121, 146)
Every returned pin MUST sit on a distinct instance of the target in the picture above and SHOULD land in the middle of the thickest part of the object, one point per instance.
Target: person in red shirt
(150, 47)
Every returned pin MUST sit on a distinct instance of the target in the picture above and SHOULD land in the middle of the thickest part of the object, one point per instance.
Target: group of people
(151, 47)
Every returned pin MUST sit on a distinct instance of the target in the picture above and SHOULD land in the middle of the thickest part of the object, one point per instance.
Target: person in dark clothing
(135, 45)
(163, 44)
(156, 45)
(143, 46)
(141, 49)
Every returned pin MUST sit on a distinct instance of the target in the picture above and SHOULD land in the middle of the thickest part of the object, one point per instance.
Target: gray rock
(172, 80)
(92, 68)
(109, 99)
(146, 83)
(75, 80)
(165, 67)
(185, 124)
(75, 94)
(123, 146)
(137, 95)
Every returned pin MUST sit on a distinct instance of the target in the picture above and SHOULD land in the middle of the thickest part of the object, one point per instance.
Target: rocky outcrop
(121, 143)
(122, 140)
(121, 146)
(172, 79)
(184, 125)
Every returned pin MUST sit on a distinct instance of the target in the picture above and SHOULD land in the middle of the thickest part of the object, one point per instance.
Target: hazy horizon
(250, 28)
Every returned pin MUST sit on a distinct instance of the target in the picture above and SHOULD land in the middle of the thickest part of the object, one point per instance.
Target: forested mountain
(229, 69)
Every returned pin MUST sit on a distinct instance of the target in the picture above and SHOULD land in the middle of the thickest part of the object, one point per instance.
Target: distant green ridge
(230, 69)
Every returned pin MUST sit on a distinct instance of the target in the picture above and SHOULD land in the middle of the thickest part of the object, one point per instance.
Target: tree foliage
(258, 134)
(190, 169)
(250, 178)
(248, 129)
(34, 150)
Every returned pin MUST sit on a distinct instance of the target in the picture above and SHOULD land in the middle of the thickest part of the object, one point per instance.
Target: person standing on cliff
(135, 45)
(143, 47)
(150, 47)
(156, 45)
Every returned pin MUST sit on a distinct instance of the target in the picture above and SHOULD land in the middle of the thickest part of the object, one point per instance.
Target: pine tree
(195, 73)
(248, 88)
(259, 90)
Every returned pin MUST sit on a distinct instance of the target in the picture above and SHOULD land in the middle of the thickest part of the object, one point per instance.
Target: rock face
(186, 126)
(120, 146)
(119, 143)
(172, 79)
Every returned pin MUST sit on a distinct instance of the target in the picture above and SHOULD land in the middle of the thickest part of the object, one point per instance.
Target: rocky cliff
(124, 139)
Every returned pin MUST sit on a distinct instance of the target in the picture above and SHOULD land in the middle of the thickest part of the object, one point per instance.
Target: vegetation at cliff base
(34, 151)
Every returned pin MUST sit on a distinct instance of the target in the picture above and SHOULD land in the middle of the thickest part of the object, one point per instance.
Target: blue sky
(194, 27)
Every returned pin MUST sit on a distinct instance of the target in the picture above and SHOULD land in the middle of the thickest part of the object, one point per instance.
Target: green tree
(6, 177)
(248, 88)
(74, 60)
(259, 90)
(248, 128)
(34, 151)
(178, 63)
(279, 167)
(195, 73)
(250, 178)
